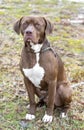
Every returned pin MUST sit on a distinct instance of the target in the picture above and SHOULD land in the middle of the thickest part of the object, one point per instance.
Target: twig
(77, 85)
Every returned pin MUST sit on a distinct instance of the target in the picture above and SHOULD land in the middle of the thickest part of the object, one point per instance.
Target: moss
(57, 19)
(76, 45)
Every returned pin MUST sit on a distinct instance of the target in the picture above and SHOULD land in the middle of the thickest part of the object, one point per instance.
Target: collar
(46, 47)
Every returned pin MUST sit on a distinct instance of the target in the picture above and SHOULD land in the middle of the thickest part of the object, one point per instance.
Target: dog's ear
(48, 27)
(17, 26)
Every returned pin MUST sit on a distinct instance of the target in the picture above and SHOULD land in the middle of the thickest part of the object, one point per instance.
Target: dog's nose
(28, 32)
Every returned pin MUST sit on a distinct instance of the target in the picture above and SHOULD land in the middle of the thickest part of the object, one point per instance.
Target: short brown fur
(57, 91)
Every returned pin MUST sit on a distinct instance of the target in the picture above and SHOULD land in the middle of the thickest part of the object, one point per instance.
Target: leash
(43, 50)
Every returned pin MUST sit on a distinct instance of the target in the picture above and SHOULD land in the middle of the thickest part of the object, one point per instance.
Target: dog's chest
(35, 74)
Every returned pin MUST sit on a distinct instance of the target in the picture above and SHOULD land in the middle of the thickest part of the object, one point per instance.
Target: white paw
(30, 117)
(63, 115)
(47, 118)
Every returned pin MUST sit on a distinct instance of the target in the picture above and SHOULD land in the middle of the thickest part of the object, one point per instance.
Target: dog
(42, 68)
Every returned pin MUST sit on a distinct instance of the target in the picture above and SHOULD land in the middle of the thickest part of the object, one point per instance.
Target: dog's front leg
(50, 105)
(31, 93)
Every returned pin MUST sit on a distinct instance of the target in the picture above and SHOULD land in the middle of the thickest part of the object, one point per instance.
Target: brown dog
(42, 69)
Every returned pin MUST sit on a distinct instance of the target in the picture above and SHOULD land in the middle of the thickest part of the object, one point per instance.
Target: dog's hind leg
(63, 97)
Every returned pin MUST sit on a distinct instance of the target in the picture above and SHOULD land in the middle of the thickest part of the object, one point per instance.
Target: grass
(66, 40)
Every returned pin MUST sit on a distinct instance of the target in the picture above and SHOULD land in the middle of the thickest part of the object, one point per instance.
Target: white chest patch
(35, 74)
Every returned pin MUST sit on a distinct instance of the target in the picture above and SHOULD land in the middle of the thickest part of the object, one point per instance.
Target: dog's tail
(77, 85)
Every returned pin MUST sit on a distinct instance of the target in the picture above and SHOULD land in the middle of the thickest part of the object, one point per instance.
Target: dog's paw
(47, 118)
(30, 117)
(63, 115)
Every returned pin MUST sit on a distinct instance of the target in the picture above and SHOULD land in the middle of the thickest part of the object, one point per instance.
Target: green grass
(66, 40)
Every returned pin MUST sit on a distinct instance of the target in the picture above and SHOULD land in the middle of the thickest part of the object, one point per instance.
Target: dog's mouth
(29, 39)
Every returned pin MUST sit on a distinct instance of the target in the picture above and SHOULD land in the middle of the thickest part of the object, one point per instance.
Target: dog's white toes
(30, 117)
(47, 118)
(63, 115)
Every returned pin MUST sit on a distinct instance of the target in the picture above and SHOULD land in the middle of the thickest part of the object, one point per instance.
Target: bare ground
(67, 40)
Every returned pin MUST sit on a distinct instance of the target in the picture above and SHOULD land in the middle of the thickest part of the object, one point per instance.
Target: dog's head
(33, 29)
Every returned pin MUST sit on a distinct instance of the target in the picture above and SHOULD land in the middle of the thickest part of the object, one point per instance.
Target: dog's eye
(37, 25)
(25, 25)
